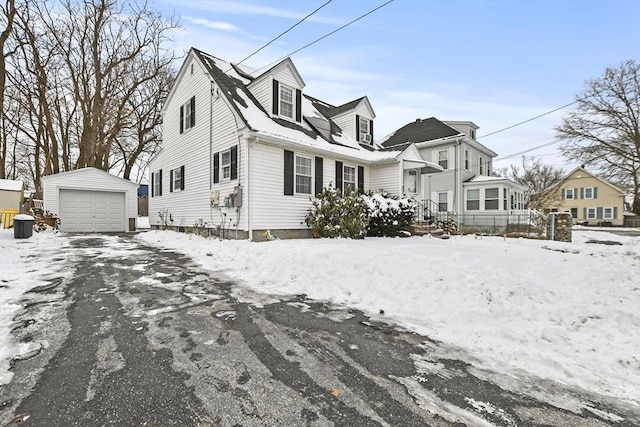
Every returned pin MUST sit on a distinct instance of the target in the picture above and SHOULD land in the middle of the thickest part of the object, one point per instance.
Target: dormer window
(364, 130)
(286, 101)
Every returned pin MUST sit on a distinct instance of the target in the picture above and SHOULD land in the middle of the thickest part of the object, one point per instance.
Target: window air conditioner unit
(365, 137)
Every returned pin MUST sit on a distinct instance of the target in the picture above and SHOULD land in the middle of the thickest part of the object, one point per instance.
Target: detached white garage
(91, 200)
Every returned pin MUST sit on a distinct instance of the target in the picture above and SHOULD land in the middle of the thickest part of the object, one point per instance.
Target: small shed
(11, 197)
(91, 200)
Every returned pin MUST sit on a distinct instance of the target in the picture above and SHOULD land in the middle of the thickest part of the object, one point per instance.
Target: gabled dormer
(355, 118)
(279, 91)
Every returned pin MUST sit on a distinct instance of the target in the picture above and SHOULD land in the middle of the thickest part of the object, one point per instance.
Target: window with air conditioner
(365, 130)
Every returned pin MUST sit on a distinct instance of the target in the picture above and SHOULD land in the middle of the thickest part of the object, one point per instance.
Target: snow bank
(563, 311)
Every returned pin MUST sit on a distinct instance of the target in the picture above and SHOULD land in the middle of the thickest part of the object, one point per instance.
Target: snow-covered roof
(482, 179)
(316, 131)
(11, 185)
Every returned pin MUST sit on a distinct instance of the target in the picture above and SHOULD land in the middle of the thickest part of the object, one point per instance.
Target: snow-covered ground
(24, 265)
(568, 312)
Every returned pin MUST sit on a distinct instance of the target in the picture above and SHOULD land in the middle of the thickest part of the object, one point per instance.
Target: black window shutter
(595, 192)
(234, 162)
(615, 212)
(152, 185)
(371, 129)
(298, 105)
(581, 192)
(182, 174)
(193, 111)
(181, 118)
(584, 213)
(564, 192)
(216, 168)
(599, 213)
(319, 175)
(160, 185)
(357, 127)
(339, 175)
(361, 179)
(171, 181)
(288, 173)
(276, 96)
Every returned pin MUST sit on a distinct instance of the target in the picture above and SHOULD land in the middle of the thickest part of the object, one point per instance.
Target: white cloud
(244, 8)
(216, 25)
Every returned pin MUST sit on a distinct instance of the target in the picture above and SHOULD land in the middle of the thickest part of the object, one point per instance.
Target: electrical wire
(326, 35)
(285, 32)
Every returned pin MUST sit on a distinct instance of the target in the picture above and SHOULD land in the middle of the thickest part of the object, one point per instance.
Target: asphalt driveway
(144, 337)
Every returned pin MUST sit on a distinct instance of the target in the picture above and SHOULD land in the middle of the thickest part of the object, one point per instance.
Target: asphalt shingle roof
(419, 131)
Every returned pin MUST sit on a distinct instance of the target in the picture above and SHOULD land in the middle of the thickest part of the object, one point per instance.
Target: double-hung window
(286, 101)
(188, 115)
(591, 213)
(491, 201)
(177, 179)
(480, 166)
(443, 205)
(569, 194)
(443, 158)
(303, 175)
(348, 179)
(157, 183)
(588, 193)
(225, 164)
(466, 159)
(607, 213)
(473, 200)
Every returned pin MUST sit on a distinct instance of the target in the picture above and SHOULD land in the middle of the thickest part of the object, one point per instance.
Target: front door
(411, 182)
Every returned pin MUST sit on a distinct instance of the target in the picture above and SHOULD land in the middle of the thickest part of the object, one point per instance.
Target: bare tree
(83, 75)
(7, 16)
(604, 129)
(539, 180)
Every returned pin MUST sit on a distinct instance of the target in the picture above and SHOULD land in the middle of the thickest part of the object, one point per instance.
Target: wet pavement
(142, 336)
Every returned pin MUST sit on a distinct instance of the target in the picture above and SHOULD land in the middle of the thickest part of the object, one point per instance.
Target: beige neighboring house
(590, 199)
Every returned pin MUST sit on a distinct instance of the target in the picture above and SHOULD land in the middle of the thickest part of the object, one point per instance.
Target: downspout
(249, 191)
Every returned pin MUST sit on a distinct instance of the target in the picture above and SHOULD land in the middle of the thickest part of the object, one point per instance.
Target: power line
(284, 32)
(519, 153)
(529, 120)
(326, 35)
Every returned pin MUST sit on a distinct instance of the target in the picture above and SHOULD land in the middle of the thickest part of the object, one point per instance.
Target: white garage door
(89, 211)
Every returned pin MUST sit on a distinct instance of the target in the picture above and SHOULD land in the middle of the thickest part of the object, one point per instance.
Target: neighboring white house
(465, 190)
(243, 152)
(90, 200)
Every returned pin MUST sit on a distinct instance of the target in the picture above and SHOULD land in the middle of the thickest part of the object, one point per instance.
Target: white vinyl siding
(347, 121)
(387, 177)
(192, 150)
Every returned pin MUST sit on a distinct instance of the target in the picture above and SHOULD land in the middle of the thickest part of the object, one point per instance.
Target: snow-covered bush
(388, 215)
(335, 215)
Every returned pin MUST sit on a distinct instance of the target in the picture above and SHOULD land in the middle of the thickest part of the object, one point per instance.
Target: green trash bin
(23, 226)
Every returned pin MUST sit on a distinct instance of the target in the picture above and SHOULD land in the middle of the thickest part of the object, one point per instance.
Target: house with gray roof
(244, 151)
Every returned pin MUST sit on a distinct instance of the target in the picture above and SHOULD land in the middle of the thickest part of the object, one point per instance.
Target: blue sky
(495, 63)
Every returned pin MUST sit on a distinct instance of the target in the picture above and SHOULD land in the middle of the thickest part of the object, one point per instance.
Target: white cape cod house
(243, 152)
